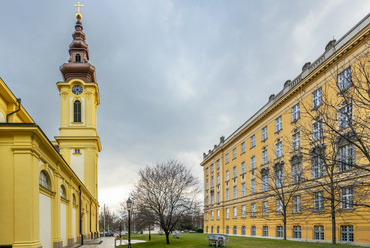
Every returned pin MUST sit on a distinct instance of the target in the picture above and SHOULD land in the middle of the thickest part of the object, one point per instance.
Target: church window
(62, 192)
(43, 180)
(78, 57)
(77, 111)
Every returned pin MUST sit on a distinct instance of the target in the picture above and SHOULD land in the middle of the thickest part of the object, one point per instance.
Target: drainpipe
(19, 108)
(82, 236)
(96, 223)
(90, 220)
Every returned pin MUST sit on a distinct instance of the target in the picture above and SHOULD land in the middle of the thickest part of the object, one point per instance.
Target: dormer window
(78, 57)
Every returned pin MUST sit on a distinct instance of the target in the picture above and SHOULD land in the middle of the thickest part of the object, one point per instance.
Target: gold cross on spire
(78, 5)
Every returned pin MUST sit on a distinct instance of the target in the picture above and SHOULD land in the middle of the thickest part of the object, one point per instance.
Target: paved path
(105, 242)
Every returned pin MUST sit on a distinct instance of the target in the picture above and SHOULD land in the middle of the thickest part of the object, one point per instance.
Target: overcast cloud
(173, 76)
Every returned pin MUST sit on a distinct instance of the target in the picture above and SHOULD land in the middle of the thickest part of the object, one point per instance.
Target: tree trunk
(167, 237)
(332, 208)
(284, 220)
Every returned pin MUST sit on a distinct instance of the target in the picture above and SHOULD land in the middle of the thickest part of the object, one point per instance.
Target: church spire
(78, 63)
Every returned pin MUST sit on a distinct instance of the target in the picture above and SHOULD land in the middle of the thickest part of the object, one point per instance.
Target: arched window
(43, 180)
(78, 57)
(62, 192)
(77, 111)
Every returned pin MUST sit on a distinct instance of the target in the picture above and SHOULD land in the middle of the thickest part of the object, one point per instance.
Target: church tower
(78, 142)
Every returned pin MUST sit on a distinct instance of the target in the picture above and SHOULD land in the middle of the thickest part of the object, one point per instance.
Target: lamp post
(129, 204)
(120, 231)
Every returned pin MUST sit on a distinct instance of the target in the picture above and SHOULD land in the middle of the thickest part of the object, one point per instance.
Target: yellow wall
(281, 105)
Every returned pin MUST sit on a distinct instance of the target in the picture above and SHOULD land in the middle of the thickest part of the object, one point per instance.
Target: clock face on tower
(77, 89)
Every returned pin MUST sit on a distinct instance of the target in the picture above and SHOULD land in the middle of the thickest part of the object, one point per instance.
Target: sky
(173, 76)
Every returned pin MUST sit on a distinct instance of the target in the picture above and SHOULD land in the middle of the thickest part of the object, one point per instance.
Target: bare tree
(164, 193)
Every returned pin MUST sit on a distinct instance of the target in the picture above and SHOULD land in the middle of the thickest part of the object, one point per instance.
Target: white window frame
(243, 190)
(265, 156)
(218, 197)
(264, 133)
(265, 208)
(253, 231)
(265, 231)
(279, 207)
(317, 131)
(218, 214)
(227, 158)
(317, 98)
(234, 172)
(235, 195)
(227, 213)
(235, 212)
(253, 141)
(296, 141)
(345, 116)
(278, 124)
(346, 197)
(318, 201)
(243, 167)
(296, 204)
(265, 182)
(227, 195)
(242, 148)
(279, 149)
(253, 186)
(279, 231)
(346, 157)
(253, 162)
(346, 233)
(345, 79)
(297, 232)
(227, 175)
(253, 210)
(319, 232)
(279, 176)
(295, 112)
(234, 153)
(243, 211)
(296, 172)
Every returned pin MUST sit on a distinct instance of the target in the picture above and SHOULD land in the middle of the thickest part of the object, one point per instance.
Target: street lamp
(129, 204)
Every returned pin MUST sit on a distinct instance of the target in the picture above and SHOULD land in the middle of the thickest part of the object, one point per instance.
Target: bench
(217, 240)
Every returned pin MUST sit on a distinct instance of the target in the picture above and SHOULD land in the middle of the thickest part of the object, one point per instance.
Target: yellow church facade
(49, 189)
(240, 172)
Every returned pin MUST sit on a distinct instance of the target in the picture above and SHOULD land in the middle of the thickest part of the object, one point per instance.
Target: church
(49, 189)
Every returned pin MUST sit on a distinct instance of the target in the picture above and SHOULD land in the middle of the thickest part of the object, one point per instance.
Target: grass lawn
(192, 240)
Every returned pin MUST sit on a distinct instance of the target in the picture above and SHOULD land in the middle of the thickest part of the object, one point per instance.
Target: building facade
(274, 170)
(49, 189)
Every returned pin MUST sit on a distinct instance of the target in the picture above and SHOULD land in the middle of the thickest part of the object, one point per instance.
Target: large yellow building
(241, 172)
(49, 189)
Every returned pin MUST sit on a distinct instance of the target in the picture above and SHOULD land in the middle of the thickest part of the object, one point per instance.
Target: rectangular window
(253, 186)
(206, 215)
(346, 157)
(227, 194)
(319, 232)
(235, 212)
(253, 141)
(243, 190)
(207, 200)
(77, 151)
(265, 181)
(207, 171)
(297, 232)
(212, 198)
(218, 197)
(278, 124)
(318, 201)
(253, 210)
(346, 233)
(279, 207)
(316, 98)
(265, 231)
(207, 186)
(345, 79)
(345, 116)
(243, 147)
(212, 168)
(207, 229)
(227, 158)
(234, 229)
(234, 153)
(218, 179)
(253, 231)
(243, 230)
(218, 164)
(212, 215)
(227, 213)
(317, 131)
(279, 176)
(235, 192)
(253, 162)
(243, 211)
(279, 231)
(296, 141)
(279, 150)
(296, 204)
(227, 176)
(227, 230)
(212, 229)
(264, 157)
(296, 172)
(218, 214)
(264, 133)
(295, 112)
(346, 196)
(234, 171)
(265, 208)
(243, 167)
(212, 182)
(317, 164)
(218, 229)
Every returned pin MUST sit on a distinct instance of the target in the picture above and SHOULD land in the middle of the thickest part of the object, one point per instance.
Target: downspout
(19, 108)
(96, 222)
(90, 220)
(82, 236)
